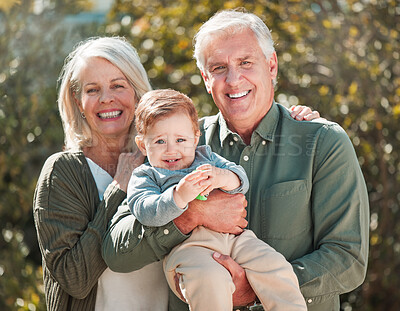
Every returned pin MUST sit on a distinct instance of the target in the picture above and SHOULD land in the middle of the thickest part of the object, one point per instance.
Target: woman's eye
(91, 90)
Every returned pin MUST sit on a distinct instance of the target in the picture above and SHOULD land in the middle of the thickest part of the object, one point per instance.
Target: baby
(178, 171)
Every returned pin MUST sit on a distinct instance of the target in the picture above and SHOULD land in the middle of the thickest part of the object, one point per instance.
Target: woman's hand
(305, 113)
(222, 212)
(243, 294)
(127, 162)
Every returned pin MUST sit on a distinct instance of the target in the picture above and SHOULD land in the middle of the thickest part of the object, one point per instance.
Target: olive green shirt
(307, 199)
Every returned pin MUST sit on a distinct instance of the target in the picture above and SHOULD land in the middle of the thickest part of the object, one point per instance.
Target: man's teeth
(170, 161)
(237, 95)
(109, 115)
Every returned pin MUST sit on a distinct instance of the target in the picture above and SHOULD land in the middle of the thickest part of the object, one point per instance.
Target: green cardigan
(71, 221)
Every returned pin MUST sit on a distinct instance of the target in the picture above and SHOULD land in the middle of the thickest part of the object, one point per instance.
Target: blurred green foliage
(340, 57)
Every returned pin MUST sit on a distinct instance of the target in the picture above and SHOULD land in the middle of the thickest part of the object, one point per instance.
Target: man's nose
(233, 76)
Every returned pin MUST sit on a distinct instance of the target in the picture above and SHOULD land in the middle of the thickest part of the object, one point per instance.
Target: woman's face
(107, 99)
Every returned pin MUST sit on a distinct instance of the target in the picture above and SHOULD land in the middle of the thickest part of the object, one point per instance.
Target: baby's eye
(160, 141)
(180, 140)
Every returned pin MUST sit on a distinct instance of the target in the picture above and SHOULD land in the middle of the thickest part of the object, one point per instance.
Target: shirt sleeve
(148, 203)
(70, 223)
(223, 163)
(341, 221)
(129, 246)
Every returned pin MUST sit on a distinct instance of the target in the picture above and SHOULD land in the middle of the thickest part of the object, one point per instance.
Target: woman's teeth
(109, 115)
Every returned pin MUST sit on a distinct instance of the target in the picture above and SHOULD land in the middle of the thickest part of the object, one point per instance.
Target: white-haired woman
(80, 189)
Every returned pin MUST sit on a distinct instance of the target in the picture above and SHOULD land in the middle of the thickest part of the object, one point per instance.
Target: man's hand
(222, 212)
(244, 294)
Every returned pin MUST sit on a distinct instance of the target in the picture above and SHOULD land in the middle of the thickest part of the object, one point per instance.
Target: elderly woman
(80, 189)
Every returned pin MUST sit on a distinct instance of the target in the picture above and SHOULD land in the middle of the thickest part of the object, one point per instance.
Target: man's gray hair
(231, 22)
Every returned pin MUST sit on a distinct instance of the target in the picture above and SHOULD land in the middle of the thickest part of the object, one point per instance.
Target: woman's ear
(77, 101)
(140, 143)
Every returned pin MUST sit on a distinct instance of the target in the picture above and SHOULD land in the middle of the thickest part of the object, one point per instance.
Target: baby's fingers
(204, 167)
(194, 176)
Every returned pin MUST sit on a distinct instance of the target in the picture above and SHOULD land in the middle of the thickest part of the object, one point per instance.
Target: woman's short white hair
(118, 52)
(231, 22)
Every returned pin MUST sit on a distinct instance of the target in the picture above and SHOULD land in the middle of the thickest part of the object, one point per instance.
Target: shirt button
(246, 158)
(235, 138)
(264, 142)
(231, 143)
(309, 300)
(166, 231)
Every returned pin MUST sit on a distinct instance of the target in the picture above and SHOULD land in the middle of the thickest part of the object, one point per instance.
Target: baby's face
(170, 142)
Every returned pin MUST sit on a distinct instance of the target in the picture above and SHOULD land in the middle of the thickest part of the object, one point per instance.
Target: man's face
(239, 78)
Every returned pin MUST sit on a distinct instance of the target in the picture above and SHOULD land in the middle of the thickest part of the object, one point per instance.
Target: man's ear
(206, 82)
(140, 143)
(273, 65)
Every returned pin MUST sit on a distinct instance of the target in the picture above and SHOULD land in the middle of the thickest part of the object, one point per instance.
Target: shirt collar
(266, 129)
(224, 131)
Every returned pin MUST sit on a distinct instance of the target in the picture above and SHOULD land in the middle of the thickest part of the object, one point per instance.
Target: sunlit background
(340, 57)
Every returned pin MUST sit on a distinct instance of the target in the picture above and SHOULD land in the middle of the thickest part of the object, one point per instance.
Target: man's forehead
(232, 46)
(236, 55)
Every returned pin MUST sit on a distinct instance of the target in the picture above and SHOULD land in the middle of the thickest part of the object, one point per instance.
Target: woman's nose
(106, 96)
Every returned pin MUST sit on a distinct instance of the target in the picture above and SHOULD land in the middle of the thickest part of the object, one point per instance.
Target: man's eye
(218, 68)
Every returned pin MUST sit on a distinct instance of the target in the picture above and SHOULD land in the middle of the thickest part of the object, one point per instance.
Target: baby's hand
(214, 176)
(190, 187)
(218, 178)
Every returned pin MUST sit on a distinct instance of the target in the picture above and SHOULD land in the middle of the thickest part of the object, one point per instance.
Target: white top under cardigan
(142, 290)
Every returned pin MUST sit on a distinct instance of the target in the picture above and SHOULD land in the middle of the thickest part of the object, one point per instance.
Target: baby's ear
(140, 143)
(197, 137)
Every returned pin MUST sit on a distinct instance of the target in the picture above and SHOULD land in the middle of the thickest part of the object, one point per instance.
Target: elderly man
(307, 195)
